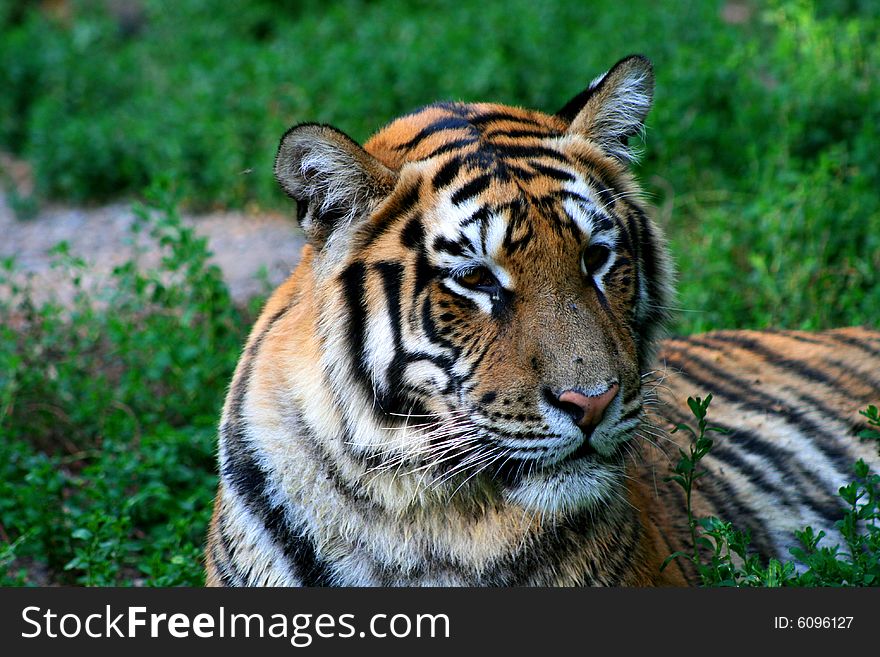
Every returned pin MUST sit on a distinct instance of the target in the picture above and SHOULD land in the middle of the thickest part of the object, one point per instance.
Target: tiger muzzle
(586, 411)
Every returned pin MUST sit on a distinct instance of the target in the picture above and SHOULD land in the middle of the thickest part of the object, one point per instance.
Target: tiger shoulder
(460, 383)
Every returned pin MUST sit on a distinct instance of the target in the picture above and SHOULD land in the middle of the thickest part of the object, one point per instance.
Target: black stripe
(864, 379)
(607, 191)
(472, 188)
(442, 125)
(392, 276)
(554, 173)
(630, 228)
(777, 360)
(399, 397)
(603, 223)
(795, 335)
(522, 151)
(430, 327)
(252, 484)
(476, 362)
(480, 215)
(401, 204)
(446, 174)
(600, 296)
(456, 248)
(826, 506)
(222, 563)
(520, 134)
(425, 272)
(413, 234)
(450, 147)
(647, 255)
(490, 117)
(568, 195)
(724, 500)
(853, 342)
(406, 200)
(511, 245)
(524, 175)
(394, 398)
(354, 280)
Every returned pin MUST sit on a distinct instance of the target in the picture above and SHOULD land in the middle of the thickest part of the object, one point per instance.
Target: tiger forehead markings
(450, 388)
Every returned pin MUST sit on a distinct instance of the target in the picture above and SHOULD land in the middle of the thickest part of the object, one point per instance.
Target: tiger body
(789, 402)
(455, 385)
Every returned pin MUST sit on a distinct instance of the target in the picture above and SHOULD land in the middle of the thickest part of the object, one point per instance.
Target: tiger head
(489, 289)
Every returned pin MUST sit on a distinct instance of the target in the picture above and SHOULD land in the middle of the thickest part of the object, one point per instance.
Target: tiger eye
(594, 257)
(476, 278)
(472, 279)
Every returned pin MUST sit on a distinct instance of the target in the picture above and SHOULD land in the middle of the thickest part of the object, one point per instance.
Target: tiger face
(490, 291)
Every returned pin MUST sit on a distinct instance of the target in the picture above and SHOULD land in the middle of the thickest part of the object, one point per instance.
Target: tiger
(466, 381)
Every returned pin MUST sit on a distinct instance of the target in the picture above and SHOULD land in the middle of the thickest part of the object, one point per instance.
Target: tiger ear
(332, 178)
(613, 108)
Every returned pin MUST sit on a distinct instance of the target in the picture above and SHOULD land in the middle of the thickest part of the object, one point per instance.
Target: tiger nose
(587, 411)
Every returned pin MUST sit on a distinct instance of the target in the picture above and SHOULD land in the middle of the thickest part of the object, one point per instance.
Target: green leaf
(81, 534)
(672, 557)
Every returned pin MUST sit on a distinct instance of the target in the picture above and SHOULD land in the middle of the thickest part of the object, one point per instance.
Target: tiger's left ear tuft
(613, 108)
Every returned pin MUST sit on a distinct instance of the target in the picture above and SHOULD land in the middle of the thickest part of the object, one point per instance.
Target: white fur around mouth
(569, 487)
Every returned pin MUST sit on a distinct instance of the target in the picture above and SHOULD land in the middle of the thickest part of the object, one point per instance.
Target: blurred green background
(761, 157)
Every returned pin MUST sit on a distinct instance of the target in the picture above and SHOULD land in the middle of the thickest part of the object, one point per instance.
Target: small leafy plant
(721, 553)
(686, 471)
(108, 410)
(873, 432)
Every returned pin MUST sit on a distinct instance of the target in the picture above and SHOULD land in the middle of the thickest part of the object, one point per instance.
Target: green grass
(108, 415)
(760, 156)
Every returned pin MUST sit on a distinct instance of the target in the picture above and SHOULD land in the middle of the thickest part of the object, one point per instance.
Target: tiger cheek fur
(449, 388)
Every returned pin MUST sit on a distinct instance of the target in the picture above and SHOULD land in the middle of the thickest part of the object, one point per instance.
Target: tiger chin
(451, 388)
